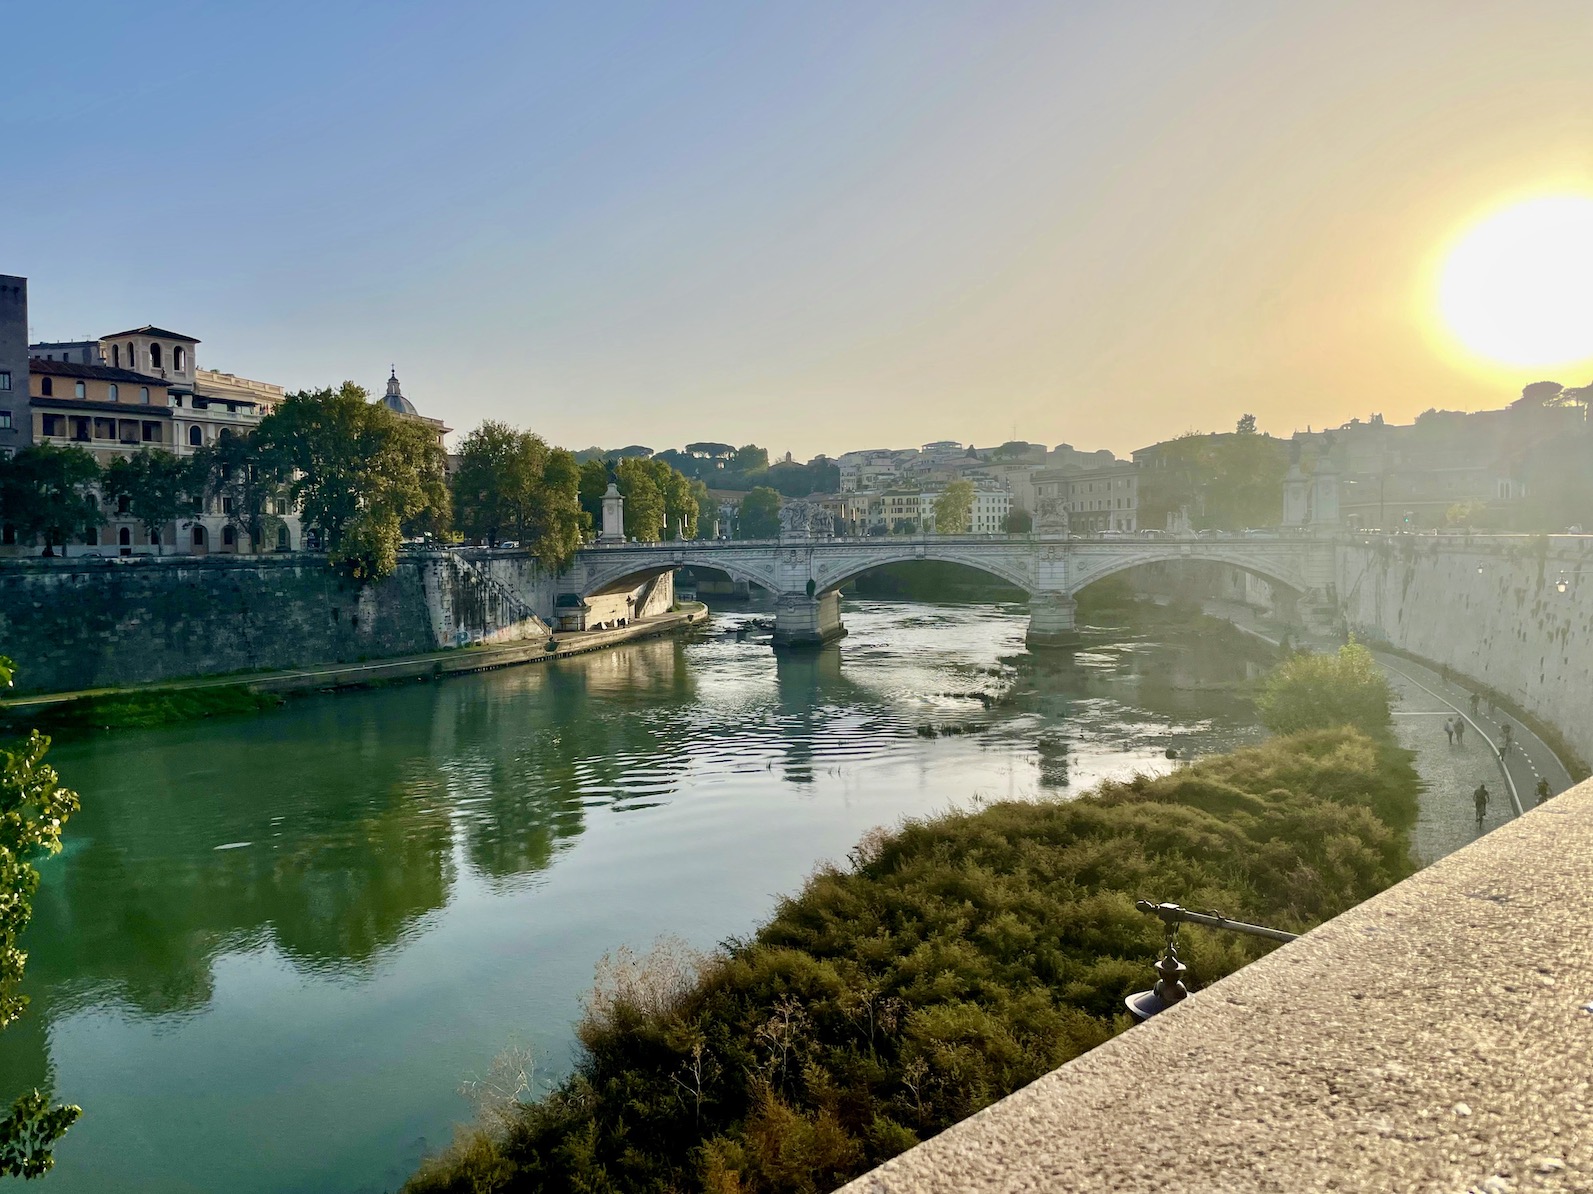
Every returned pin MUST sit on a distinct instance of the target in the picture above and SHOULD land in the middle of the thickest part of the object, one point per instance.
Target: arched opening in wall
(124, 541)
(229, 539)
(179, 358)
(715, 585)
(154, 538)
(116, 356)
(932, 580)
(1188, 587)
(198, 540)
(154, 356)
(282, 539)
(196, 437)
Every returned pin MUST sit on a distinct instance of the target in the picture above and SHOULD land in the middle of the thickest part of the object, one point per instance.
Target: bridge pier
(803, 621)
(1053, 621)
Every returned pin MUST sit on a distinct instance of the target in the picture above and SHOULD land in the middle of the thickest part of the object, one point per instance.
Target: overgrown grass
(948, 964)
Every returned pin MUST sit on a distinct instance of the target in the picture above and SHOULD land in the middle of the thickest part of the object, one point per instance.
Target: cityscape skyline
(811, 229)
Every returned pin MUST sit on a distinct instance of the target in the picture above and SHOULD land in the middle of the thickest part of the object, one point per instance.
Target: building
(135, 390)
(1093, 499)
(16, 424)
(1409, 476)
(401, 406)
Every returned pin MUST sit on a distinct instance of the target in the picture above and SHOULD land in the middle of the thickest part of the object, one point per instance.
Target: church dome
(394, 399)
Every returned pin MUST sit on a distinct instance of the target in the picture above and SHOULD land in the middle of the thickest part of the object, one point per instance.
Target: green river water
(275, 947)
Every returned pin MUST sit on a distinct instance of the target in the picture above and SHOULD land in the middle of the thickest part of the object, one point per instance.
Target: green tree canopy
(46, 492)
(1318, 692)
(760, 515)
(363, 475)
(33, 809)
(1018, 522)
(954, 509)
(159, 488)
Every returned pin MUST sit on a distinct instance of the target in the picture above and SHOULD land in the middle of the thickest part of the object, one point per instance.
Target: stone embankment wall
(91, 622)
(1490, 609)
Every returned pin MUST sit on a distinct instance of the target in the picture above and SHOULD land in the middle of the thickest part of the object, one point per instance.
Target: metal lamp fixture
(1169, 988)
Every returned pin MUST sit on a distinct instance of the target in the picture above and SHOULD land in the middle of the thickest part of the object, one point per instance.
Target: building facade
(16, 425)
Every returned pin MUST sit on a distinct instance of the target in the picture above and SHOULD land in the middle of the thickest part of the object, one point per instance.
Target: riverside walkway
(1423, 700)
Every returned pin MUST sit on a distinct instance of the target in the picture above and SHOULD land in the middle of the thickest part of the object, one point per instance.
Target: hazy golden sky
(824, 226)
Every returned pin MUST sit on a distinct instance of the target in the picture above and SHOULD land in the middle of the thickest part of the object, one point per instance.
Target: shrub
(950, 963)
(1313, 692)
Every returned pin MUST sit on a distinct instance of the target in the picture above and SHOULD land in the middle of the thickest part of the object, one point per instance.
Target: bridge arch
(834, 575)
(631, 571)
(1089, 567)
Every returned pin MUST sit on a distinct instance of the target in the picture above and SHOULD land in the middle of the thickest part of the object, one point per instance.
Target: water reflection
(330, 912)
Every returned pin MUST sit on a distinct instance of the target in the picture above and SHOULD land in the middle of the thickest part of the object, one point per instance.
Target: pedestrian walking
(1449, 729)
(1543, 790)
(1504, 738)
(1475, 701)
(1460, 731)
(1480, 798)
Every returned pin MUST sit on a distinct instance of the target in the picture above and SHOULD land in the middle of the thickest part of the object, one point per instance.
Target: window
(125, 537)
(79, 390)
(179, 358)
(229, 537)
(116, 356)
(152, 433)
(143, 395)
(82, 429)
(46, 387)
(104, 428)
(5, 420)
(115, 392)
(199, 535)
(282, 538)
(154, 356)
(196, 437)
(91, 537)
(132, 357)
(5, 379)
(121, 503)
(54, 424)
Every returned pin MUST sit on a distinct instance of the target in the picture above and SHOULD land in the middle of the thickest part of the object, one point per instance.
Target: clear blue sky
(815, 226)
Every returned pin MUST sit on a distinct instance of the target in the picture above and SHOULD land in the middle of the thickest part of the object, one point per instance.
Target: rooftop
(97, 372)
(151, 330)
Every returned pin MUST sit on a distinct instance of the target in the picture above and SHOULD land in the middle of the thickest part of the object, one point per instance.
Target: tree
(1319, 692)
(595, 476)
(644, 501)
(363, 475)
(493, 483)
(1246, 425)
(159, 488)
(707, 509)
(46, 492)
(1018, 522)
(954, 509)
(33, 809)
(760, 515)
(248, 479)
(749, 458)
(1539, 393)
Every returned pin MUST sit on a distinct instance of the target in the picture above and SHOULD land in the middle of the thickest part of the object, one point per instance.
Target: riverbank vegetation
(949, 963)
(33, 809)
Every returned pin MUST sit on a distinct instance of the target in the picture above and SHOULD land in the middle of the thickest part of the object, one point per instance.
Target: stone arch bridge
(805, 572)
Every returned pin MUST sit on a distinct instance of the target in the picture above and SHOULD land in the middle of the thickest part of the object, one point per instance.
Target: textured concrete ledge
(1438, 1037)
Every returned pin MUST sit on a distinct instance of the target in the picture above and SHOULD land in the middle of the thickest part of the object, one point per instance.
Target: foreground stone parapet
(1438, 1037)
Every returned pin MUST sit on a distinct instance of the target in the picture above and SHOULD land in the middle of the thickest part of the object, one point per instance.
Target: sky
(816, 227)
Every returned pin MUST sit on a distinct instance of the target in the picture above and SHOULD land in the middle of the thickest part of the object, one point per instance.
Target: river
(274, 947)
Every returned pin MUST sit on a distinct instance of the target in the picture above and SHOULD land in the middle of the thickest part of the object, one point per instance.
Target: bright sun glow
(1517, 286)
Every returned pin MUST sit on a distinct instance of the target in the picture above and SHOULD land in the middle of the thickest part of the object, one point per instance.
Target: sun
(1517, 286)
